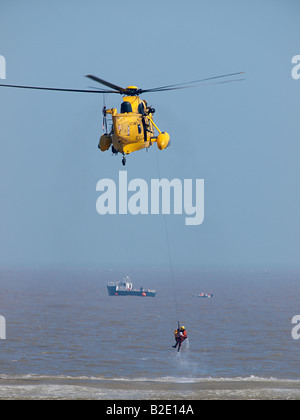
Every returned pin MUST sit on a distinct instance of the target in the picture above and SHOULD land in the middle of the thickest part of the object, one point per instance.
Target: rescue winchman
(180, 335)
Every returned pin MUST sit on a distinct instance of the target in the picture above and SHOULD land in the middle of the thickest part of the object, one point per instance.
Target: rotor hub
(132, 91)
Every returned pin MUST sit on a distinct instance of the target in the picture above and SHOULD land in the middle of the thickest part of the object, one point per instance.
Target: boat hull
(112, 291)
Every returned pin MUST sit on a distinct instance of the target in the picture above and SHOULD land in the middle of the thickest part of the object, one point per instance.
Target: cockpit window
(141, 108)
(126, 107)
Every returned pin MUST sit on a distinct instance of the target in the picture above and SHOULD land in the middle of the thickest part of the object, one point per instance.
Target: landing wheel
(124, 161)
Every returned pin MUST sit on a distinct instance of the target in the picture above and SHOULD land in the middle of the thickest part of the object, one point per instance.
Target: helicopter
(133, 128)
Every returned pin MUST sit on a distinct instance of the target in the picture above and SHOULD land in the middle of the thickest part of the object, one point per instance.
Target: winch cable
(169, 250)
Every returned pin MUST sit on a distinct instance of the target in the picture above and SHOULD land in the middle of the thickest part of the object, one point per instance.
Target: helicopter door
(144, 128)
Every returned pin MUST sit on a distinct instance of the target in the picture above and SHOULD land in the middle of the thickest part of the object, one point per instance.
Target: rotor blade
(189, 87)
(193, 86)
(58, 89)
(181, 85)
(108, 84)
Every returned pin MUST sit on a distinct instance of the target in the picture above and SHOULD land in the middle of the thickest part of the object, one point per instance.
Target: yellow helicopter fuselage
(132, 128)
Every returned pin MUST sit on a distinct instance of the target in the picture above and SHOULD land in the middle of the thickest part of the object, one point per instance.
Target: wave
(163, 379)
(60, 387)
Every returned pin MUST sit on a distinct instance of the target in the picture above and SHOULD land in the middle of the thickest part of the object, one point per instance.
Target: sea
(67, 339)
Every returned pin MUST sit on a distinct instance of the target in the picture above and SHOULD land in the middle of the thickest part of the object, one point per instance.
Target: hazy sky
(243, 138)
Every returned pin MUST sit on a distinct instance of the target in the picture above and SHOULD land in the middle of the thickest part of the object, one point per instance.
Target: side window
(139, 129)
(141, 108)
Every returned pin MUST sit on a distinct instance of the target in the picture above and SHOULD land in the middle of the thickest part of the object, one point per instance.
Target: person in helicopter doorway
(180, 335)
